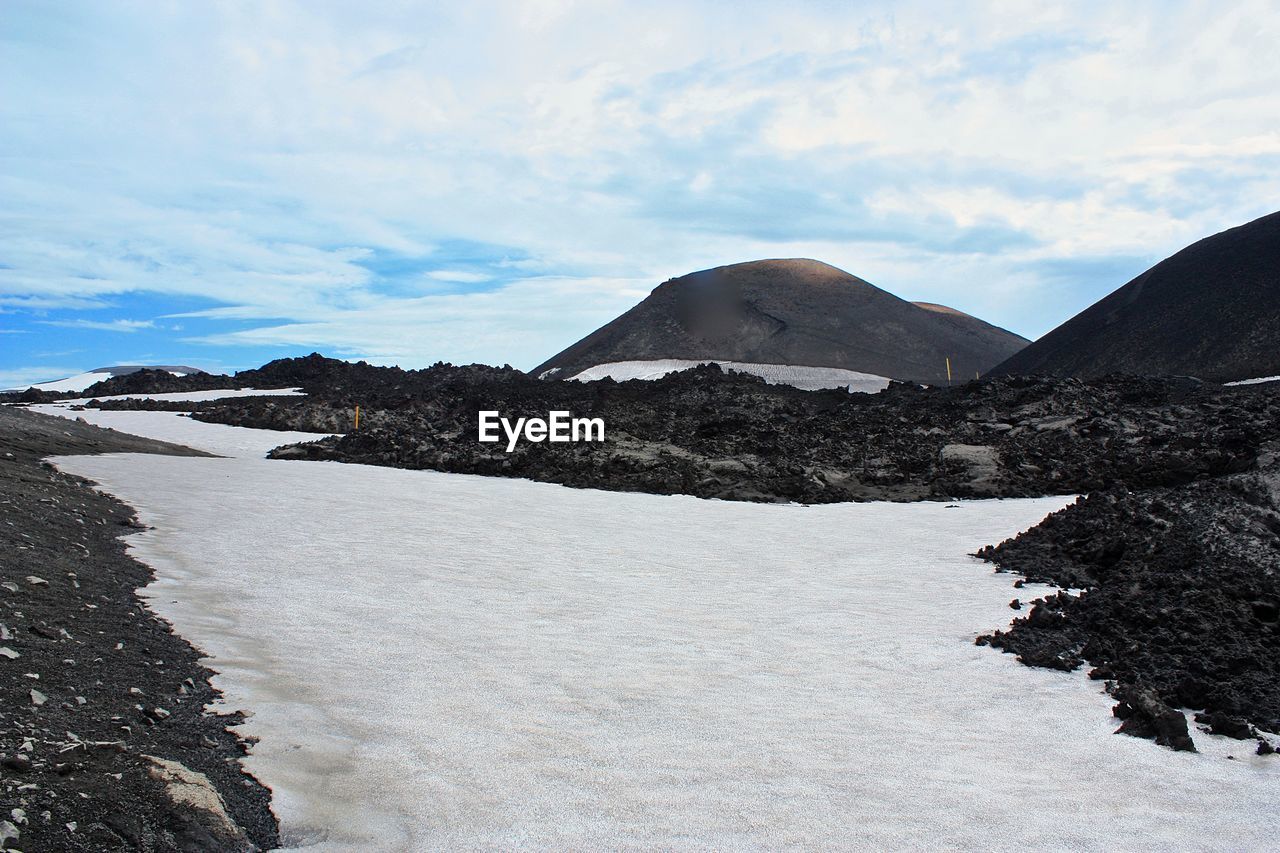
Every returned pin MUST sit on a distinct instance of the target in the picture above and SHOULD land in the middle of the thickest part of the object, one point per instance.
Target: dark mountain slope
(799, 312)
(1212, 311)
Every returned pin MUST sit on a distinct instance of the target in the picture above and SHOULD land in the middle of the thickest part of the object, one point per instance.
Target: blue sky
(224, 183)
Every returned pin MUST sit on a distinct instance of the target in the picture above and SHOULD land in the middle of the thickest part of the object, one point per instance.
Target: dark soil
(115, 685)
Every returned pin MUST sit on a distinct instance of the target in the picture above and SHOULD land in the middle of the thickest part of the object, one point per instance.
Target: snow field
(190, 396)
(447, 661)
(79, 382)
(808, 378)
(178, 428)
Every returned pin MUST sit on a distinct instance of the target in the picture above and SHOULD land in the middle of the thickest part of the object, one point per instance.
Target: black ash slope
(1212, 311)
(116, 687)
(795, 311)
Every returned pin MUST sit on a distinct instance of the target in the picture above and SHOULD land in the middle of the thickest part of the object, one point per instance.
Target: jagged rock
(211, 827)
(1146, 716)
(1220, 723)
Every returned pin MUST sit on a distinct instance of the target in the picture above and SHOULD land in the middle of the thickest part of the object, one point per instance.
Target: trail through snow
(445, 661)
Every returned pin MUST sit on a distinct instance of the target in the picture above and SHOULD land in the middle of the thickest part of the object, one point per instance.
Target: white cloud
(462, 328)
(127, 326)
(459, 276)
(273, 158)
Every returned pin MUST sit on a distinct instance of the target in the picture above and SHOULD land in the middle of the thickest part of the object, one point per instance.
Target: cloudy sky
(223, 183)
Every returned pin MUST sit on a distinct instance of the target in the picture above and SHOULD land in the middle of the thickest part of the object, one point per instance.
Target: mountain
(1211, 311)
(81, 381)
(791, 312)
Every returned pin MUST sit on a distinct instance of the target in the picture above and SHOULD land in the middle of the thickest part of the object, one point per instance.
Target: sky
(220, 184)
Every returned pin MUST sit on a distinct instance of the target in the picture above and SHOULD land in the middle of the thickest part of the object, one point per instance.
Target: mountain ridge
(796, 311)
(1210, 310)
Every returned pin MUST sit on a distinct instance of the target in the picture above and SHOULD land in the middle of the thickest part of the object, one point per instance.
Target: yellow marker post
(357, 417)
(948, 370)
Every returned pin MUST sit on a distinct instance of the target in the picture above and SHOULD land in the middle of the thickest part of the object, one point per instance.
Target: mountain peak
(790, 311)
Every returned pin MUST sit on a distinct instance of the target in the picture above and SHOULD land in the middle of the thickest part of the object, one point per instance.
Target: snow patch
(447, 661)
(808, 378)
(79, 382)
(1257, 381)
(191, 396)
(179, 428)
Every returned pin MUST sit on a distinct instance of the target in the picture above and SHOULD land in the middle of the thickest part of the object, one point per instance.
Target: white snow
(79, 382)
(808, 378)
(192, 396)
(1257, 381)
(438, 661)
(178, 428)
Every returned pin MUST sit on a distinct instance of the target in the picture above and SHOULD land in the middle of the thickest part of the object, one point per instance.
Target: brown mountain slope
(794, 311)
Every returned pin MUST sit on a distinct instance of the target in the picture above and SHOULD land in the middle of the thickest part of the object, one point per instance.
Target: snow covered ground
(180, 429)
(808, 378)
(79, 382)
(445, 661)
(190, 396)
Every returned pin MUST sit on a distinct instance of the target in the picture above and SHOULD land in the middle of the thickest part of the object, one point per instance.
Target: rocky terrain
(1174, 546)
(791, 312)
(1212, 310)
(1179, 603)
(709, 434)
(104, 741)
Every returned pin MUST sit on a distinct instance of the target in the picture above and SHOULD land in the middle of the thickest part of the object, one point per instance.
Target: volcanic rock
(1145, 715)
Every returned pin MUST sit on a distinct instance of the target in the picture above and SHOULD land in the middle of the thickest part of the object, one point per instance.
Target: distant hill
(1212, 311)
(791, 312)
(81, 381)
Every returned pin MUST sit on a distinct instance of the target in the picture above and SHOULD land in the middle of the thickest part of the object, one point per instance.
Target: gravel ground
(104, 740)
